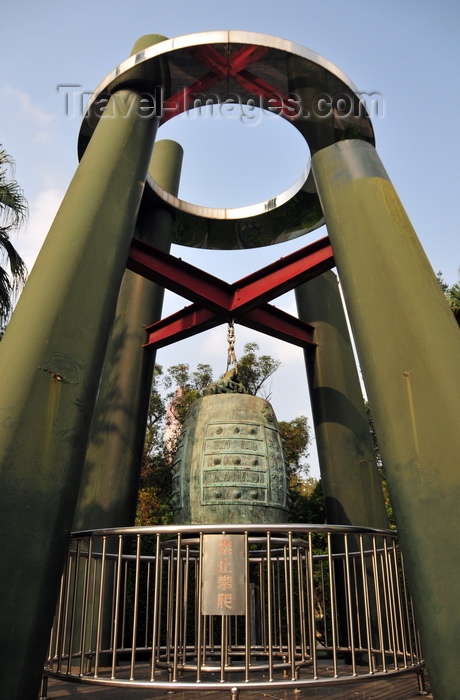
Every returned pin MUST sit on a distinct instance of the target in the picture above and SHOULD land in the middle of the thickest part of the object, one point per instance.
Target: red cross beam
(221, 68)
(216, 301)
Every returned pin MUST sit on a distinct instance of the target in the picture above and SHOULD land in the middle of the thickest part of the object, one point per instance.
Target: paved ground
(394, 688)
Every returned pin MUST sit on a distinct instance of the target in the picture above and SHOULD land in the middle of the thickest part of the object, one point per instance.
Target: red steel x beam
(224, 65)
(193, 319)
(216, 301)
(221, 68)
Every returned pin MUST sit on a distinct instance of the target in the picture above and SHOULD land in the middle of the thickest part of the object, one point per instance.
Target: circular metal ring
(252, 69)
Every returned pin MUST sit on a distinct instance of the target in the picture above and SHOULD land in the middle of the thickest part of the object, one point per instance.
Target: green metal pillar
(349, 474)
(51, 359)
(109, 484)
(408, 344)
(350, 480)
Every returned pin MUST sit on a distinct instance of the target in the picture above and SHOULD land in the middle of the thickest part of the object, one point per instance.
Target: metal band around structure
(251, 69)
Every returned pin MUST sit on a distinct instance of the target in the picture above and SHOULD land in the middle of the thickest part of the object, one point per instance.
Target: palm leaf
(13, 211)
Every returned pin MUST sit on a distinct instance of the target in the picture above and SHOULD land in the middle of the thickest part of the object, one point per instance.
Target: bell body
(230, 464)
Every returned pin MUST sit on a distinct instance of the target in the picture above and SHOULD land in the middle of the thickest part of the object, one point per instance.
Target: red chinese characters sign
(223, 575)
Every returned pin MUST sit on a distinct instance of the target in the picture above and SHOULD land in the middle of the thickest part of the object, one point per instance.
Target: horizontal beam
(192, 320)
(283, 275)
(179, 277)
(185, 323)
(238, 298)
(279, 324)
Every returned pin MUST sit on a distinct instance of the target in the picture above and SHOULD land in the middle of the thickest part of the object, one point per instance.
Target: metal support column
(351, 484)
(51, 359)
(109, 485)
(408, 344)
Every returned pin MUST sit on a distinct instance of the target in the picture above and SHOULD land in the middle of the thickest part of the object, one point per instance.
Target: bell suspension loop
(231, 356)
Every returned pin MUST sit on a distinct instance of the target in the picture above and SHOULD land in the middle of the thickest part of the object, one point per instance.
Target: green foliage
(452, 295)
(380, 466)
(307, 502)
(13, 210)
(172, 394)
(296, 437)
(254, 370)
(153, 508)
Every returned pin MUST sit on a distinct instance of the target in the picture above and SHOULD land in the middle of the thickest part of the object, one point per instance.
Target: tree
(296, 436)
(254, 370)
(380, 467)
(172, 394)
(452, 295)
(13, 210)
(305, 492)
(307, 501)
(186, 388)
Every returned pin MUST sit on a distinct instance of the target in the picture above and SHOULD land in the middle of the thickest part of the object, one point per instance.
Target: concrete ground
(404, 687)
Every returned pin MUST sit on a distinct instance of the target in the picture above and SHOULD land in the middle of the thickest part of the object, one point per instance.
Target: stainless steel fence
(237, 606)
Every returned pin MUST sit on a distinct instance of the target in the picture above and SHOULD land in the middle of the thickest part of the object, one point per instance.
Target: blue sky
(407, 50)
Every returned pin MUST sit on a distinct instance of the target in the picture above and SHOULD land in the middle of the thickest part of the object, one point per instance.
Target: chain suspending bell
(231, 357)
(230, 463)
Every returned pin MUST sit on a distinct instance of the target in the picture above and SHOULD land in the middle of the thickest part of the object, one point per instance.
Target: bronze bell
(230, 464)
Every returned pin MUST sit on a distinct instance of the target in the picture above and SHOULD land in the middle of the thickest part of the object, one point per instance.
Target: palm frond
(13, 205)
(9, 254)
(6, 297)
(13, 211)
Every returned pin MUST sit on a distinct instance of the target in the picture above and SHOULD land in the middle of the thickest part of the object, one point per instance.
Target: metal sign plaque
(223, 589)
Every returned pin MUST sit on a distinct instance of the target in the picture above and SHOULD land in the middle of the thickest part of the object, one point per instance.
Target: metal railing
(321, 604)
